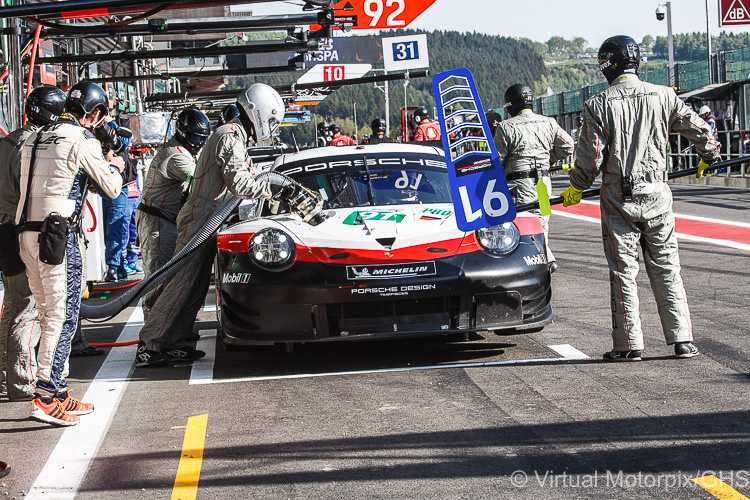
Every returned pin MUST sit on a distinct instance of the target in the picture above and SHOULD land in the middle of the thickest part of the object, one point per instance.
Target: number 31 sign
(405, 52)
(480, 193)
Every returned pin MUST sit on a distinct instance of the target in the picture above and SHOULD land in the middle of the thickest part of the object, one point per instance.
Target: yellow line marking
(179, 427)
(718, 488)
(191, 459)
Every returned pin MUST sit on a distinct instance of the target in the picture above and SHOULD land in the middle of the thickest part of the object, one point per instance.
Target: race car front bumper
(313, 302)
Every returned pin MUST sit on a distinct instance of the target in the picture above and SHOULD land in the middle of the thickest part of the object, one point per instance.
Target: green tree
(557, 45)
(661, 47)
(646, 43)
(578, 45)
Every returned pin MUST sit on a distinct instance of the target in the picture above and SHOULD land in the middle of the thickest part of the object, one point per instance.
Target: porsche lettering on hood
(390, 271)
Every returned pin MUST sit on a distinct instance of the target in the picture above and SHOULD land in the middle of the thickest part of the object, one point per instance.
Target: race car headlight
(499, 240)
(271, 248)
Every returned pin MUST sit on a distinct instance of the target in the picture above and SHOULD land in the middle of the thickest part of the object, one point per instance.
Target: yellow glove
(571, 196)
(702, 165)
(568, 166)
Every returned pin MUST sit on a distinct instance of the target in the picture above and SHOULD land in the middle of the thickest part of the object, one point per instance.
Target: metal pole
(384, 89)
(708, 36)
(387, 108)
(6, 59)
(406, 111)
(136, 72)
(356, 131)
(131, 55)
(15, 78)
(671, 45)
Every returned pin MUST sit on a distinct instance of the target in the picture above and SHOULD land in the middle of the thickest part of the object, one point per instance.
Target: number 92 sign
(384, 14)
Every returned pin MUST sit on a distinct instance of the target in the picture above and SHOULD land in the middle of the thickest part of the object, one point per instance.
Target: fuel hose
(161, 275)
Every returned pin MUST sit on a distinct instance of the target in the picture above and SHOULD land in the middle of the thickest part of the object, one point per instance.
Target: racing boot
(184, 353)
(111, 275)
(146, 357)
(622, 355)
(685, 350)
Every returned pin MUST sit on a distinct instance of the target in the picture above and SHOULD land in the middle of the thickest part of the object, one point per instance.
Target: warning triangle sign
(736, 14)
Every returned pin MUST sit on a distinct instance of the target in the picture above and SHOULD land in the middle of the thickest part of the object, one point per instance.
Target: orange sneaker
(50, 410)
(72, 406)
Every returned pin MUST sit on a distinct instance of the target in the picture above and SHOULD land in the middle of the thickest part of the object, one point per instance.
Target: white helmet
(263, 106)
(704, 110)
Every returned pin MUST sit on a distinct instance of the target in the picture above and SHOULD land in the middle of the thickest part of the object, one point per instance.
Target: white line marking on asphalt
(569, 353)
(576, 216)
(679, 216)
(67, 464)
(210, 304)
(713, 221)
(724, 243)
(680, 236)
(203, 369)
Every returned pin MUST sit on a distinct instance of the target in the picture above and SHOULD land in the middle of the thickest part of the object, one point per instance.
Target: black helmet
(45, 104)
(378, 126)
(193, 128)
(85, 97)
(518, 97)
(334, 129)
(493, 120)
(322, 127)
(420, 114)
(617, 54)
(579, 118)
(228, 113)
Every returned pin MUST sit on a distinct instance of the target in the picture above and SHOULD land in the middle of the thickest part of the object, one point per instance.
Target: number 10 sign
(405, 52)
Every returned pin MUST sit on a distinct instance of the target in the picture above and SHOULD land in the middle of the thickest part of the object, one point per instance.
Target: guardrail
(734, 143)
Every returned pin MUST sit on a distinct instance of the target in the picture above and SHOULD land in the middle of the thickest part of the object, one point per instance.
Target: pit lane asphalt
(549, 429)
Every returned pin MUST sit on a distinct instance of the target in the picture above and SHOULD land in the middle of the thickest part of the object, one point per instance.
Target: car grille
(426, 314)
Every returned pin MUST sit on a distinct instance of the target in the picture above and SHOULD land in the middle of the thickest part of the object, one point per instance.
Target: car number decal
(357, 217)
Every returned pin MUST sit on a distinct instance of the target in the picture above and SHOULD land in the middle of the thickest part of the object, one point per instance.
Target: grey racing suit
(19, 325)
(67, 158)
(624, 136)
(527, 144)
(223, 170)
(170, 171)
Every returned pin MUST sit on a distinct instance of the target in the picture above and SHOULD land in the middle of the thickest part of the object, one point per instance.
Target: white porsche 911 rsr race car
(389, 260)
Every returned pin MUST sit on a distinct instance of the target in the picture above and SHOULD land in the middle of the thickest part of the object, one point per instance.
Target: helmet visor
(196, 140)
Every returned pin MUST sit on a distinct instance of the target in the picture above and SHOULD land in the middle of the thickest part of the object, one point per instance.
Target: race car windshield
(346, 189)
